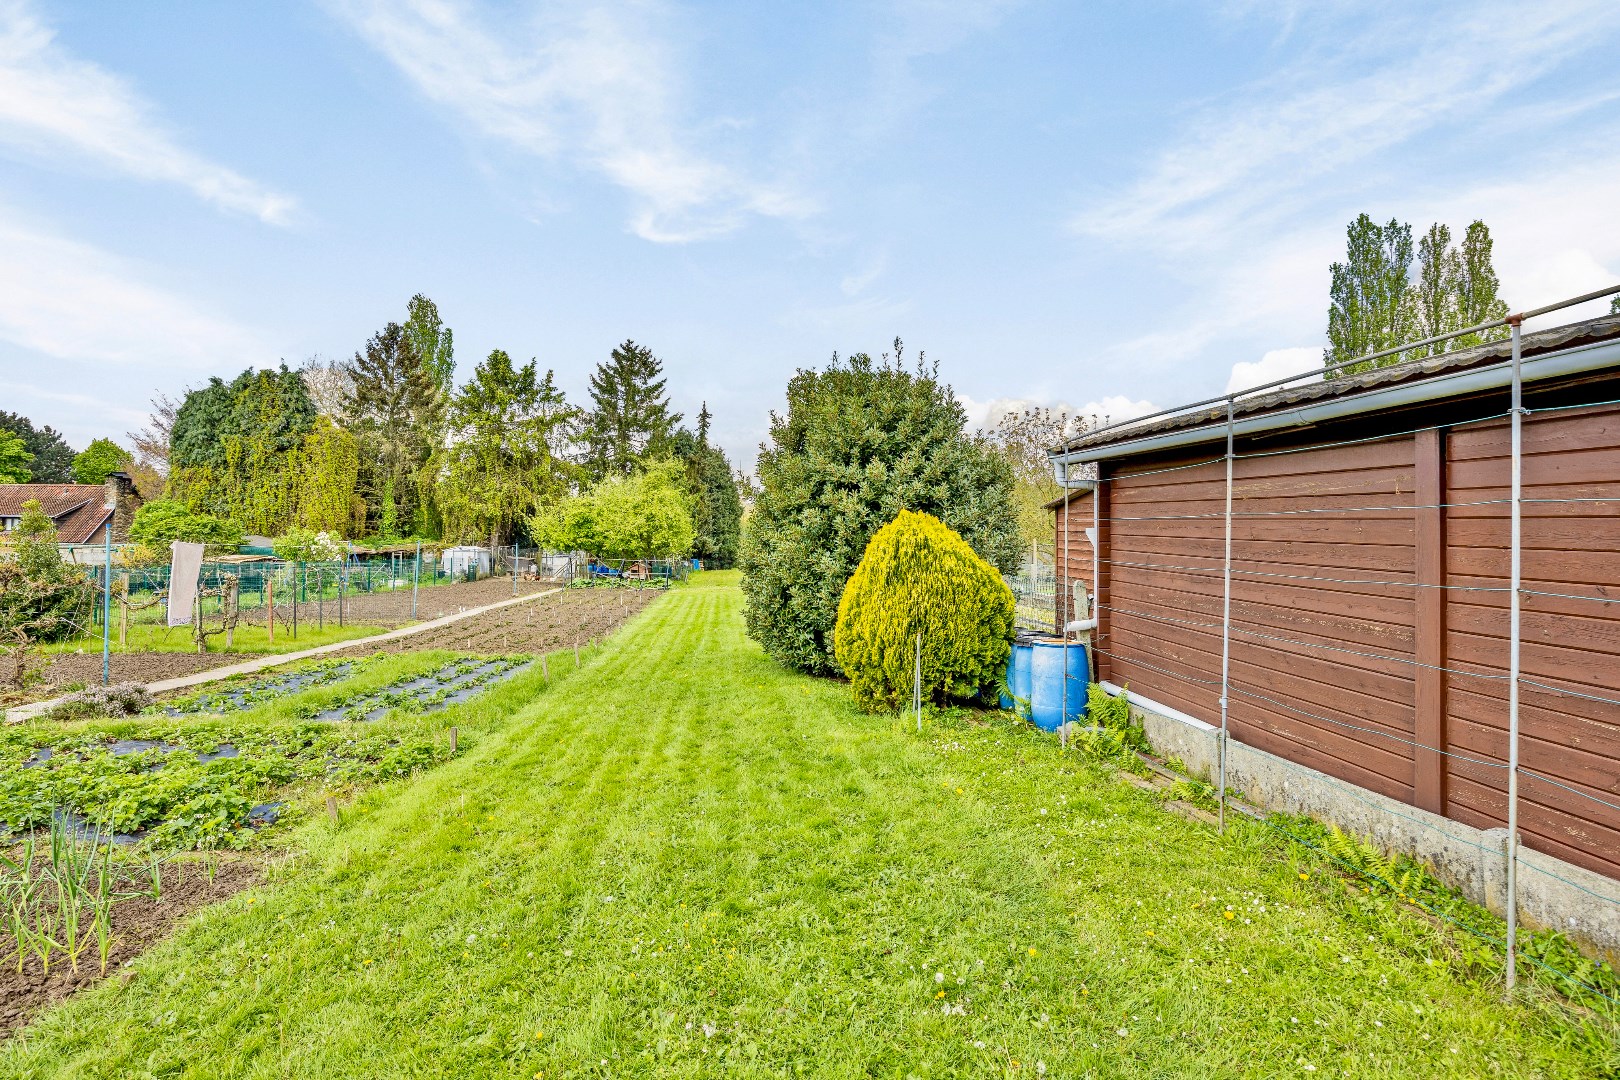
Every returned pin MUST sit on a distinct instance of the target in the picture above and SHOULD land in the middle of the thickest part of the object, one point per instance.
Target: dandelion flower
(1123, 1032)
(939, 995)
(1229, 915)
(939, 976)
(1032, 951)
(1303, 876)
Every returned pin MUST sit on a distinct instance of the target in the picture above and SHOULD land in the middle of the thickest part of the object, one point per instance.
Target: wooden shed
(1369, 573)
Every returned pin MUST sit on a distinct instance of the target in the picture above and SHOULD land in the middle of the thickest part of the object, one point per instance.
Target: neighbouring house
(80, 512)
(1365, 659)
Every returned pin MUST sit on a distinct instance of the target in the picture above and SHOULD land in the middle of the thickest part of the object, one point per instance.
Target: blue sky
(1096, 205)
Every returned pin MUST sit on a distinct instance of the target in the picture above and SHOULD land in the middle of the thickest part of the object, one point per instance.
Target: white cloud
(1314, 126)
(593, 88)
(53, 104)
(1274, 365)
(75, 302)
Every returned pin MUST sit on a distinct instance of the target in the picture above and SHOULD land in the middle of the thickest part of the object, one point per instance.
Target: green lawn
(687, 861)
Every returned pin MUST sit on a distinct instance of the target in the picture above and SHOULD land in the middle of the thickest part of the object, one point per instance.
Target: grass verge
(693, 862)
(248, 639)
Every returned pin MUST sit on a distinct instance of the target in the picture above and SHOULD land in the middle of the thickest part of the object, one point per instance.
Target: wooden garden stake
(452, 741)
(545, 671)
(331, 808)
(123, 611)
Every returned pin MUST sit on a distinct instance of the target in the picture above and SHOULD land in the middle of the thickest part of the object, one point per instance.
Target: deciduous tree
(1369, 311)
(99, 460)
(647, 515)
(14, 459)
(53, 457)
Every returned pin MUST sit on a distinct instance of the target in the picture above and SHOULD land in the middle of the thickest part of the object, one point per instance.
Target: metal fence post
(1514, 567)
(916, 692)
(106, 613)
(416, 577)
(1226, 617)
(514, 567)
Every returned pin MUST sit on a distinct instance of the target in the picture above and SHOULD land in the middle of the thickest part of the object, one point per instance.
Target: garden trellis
(1354, 602)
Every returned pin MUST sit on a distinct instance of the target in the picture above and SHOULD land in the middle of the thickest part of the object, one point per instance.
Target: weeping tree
(505, 454)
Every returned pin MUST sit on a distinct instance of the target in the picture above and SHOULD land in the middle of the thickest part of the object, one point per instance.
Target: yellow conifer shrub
(917, 575)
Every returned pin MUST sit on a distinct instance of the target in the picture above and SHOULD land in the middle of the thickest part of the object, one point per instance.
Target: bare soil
(544, 625)
(136, 924)
(393, 608)
(388, 609)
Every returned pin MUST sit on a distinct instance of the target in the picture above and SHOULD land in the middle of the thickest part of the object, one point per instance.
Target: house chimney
(120, 497)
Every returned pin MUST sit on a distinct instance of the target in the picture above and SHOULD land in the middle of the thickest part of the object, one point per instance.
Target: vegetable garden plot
(451, 684)
(246, 695)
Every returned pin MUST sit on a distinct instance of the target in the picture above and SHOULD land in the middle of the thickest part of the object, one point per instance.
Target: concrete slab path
(25, 712)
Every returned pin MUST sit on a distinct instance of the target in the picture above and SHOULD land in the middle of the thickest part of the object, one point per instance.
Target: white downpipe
(1514, 581)
(1226, 615)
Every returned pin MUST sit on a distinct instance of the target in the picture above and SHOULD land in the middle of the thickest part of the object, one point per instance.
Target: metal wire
(1324, 510)
(1340, 364)
(1376, 656)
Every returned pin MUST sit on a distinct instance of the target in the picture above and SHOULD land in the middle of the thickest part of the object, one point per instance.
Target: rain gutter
(1552, 365)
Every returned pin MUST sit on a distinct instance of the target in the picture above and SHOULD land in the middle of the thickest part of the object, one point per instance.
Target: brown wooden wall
(1334, 670)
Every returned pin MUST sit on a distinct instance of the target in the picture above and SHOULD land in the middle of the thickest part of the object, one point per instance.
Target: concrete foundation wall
(1583, 905)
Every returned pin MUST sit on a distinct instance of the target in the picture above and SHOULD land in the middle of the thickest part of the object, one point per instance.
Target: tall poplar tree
(630, 421)
(1369, 310)
(1477, 285)
(433, 341)
(391, 409)
(1433, 294)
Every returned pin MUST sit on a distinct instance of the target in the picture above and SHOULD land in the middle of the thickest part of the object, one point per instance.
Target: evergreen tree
(704, 417)
(1369, 310)
(861, 442)
(630, 421)
(390, 407)
(99, 460)
(505, 458)
(270, 408)
(53, 457)
(716, 506)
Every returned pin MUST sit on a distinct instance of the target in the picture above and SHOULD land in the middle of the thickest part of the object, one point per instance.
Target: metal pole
(1064, 614)
(916, 686)
(106, 613)
(297, 595)
(1514, 566)
(416, 577)
(1226, 616)
(514, 567)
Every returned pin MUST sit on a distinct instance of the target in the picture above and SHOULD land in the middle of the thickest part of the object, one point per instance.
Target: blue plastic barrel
(1017, 675)
(1046, 682)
